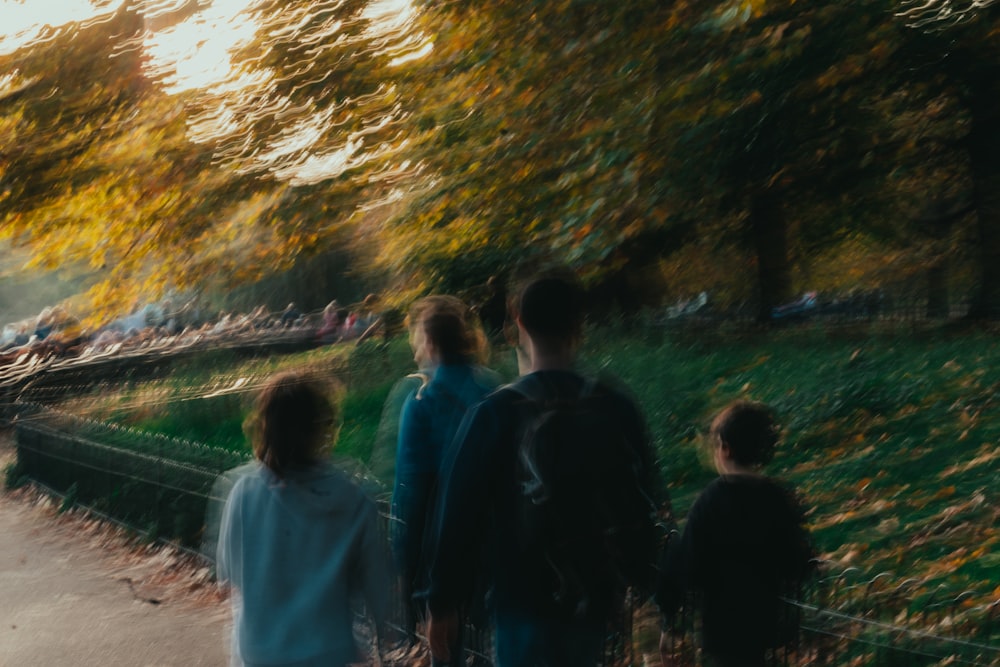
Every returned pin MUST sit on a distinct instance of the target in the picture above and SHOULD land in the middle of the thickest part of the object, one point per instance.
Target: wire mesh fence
(158, 485)
(162, 486)
(852, 618)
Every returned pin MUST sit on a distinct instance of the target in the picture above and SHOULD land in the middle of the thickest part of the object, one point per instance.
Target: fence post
(159, 488)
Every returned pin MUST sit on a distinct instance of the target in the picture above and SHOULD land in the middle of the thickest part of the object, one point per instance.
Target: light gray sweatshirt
(298, 553)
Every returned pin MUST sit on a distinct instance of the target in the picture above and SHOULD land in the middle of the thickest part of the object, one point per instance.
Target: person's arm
(374, 568)
(800, 551)
(228, 554)
(386, 447)
(678, 574)
(682, 561)
(412, 487)
(459, 527)
(637, 434)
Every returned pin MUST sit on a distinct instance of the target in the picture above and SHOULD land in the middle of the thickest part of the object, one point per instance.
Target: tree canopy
(754, 148)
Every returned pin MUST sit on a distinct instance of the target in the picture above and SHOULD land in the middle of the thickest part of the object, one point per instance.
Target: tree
(443, 144)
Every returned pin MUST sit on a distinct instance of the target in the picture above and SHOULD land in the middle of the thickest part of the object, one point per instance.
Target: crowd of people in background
(55, 333)
(529, 508)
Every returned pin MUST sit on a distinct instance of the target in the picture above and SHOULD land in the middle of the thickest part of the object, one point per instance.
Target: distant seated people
(331, 327)
(385, 323)
(171, 318)
(366, 317)
(290, 315)
(43, 325)
(350, 325)
(106, 338)
(744, 546)
(9, 336)
(260, 317)
(222, 325)
(241, 324)
(801, 307)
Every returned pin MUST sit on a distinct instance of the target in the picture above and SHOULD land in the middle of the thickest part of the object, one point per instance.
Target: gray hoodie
(298, 552)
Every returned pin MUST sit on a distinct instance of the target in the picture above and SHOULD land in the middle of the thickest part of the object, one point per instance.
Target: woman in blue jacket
(448, 343)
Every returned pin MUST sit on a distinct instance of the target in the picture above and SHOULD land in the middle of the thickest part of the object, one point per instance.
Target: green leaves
(564, 129)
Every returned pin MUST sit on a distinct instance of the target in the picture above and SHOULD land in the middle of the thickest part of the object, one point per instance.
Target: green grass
(893, 440)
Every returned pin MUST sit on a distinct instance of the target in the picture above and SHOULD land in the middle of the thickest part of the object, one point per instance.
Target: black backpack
(583, 505)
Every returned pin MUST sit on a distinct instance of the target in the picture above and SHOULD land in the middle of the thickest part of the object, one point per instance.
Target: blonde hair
(448, 324)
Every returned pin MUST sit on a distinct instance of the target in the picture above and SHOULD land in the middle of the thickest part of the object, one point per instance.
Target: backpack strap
(424, 378)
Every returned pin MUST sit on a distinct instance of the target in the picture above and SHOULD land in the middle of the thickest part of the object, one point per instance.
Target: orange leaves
(944, 492)
(989, 454)
(583, 231)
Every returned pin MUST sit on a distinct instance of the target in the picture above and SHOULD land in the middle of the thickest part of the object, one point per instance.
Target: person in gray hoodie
(298, 541)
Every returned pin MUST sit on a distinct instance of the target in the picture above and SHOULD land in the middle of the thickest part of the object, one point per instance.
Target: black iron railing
(163, 487)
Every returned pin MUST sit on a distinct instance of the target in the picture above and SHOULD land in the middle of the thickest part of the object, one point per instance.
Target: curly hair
(291, 421)
(749, 430)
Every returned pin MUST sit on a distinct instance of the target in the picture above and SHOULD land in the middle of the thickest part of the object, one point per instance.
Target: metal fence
(157, 485)
(850, 617)
(162, 486)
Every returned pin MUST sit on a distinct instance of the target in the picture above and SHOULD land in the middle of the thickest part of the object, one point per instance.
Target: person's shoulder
(719, 487)
(412, 387)
(725, 492)
(500, 400)
(776, 488)
(771, 493)
(407, 386)
(245, 481)
(339, 482)
(787, 495)
(486, 378)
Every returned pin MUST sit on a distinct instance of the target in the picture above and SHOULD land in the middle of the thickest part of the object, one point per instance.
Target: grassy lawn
(893, 440)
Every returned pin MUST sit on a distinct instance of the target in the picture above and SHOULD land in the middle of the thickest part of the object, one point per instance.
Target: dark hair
(291, 418)
(749, 430)
(550, 307)
(450, 326)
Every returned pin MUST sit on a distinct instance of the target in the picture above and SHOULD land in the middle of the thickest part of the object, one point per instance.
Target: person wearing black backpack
(553, 476)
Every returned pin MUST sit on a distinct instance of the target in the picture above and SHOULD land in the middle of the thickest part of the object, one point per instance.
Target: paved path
(73, 593)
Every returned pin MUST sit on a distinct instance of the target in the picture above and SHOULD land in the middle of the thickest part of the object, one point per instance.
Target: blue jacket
(297, 552)
(430, 418)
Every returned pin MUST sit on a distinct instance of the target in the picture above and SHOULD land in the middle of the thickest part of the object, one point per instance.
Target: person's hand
(442, 631)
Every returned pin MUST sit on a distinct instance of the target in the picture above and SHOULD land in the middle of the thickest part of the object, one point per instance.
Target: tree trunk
(984, 149)
(770, 242)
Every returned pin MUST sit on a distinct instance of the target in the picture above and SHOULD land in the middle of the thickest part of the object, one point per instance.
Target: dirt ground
(75, 590)
(78, 591)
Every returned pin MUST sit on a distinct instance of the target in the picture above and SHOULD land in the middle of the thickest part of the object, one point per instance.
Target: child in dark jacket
(744, 547)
